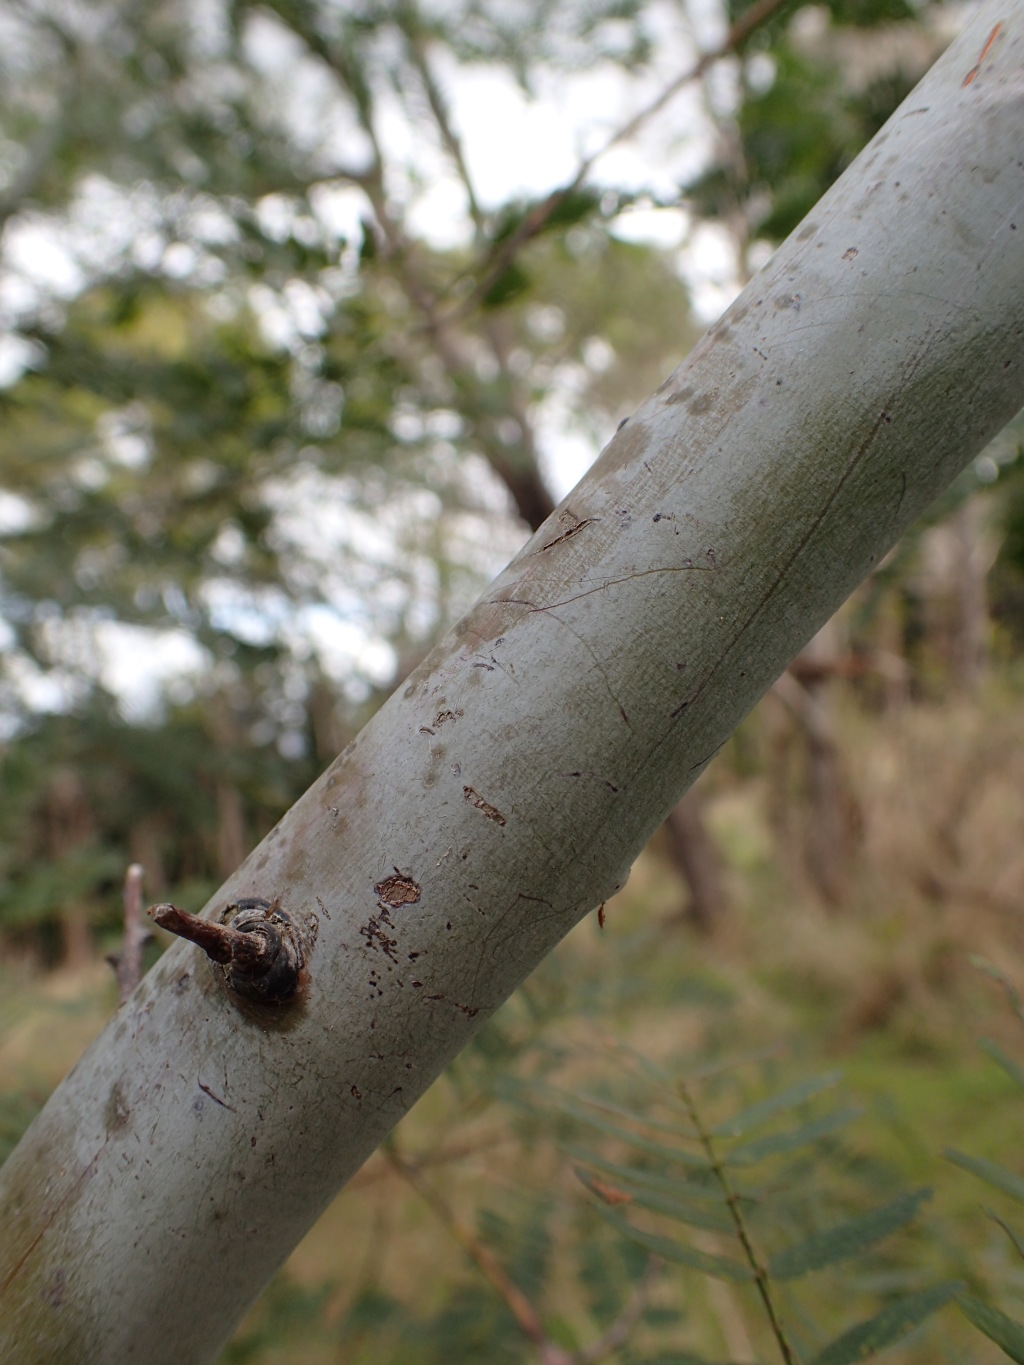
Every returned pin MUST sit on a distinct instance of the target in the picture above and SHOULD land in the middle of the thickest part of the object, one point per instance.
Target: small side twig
(219, 942)
(439, 108)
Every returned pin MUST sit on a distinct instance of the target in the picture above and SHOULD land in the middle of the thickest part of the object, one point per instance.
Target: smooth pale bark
(520, 770)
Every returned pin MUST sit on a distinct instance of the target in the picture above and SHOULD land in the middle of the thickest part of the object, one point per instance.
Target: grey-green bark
(519, 771)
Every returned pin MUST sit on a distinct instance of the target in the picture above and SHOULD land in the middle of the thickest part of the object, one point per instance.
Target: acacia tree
(504, 791)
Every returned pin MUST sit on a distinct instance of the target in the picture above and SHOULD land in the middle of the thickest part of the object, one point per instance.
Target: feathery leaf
(1007, 1334)
(892, 1323)
(718, 1267)
(846, 1239)
(989, 1171)
(790, 1098)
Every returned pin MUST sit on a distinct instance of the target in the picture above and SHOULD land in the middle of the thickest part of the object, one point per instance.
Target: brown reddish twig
(525, 1314)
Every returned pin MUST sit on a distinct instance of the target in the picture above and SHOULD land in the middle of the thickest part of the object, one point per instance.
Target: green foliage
(991, 1172)
(995, 1324)
(802, 122)
(89, 792)
(846, 1239)
(695, 1183)
(1005, 1331)
(678, 1253)
(889, 1326)
(16, 1112)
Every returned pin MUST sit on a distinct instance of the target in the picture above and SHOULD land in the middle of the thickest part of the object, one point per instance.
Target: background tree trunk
(829, 816)
(695, 854)
(516, 775)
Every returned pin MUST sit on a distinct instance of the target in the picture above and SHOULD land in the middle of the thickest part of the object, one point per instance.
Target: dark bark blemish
(470, 1011)
(216, 1098)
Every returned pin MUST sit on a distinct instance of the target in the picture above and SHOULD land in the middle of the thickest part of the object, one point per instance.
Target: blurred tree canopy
(291, 360)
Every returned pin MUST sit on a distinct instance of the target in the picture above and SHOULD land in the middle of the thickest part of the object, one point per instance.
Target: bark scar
(976, 68)
(475, 799)
(567, 535)
(396, 890)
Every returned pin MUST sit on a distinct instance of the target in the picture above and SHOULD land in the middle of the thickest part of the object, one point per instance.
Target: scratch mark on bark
(492, 940)
(537, 835)
(597, 778)
(51, 1216)
(597, 664)
(601, 587)
(567, 535)
(852, 464)
(702, 762)
(216, 1098)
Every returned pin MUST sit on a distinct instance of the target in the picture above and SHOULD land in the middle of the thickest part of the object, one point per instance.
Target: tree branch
(537, 219)
(439, 108)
